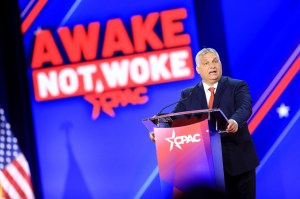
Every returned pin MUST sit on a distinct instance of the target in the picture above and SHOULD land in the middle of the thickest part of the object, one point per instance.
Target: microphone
(183, 99)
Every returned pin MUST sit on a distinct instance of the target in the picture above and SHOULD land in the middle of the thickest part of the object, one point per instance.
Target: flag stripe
(13, 183)
(10, 191)
(15, 177)
(22, 161)
(20, 164)
(5, 194)
(26, 189)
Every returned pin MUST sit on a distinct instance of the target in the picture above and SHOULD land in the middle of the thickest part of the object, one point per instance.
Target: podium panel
(186, 159)
(189, 151)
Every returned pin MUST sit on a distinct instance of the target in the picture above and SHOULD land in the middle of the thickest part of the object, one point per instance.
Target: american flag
(15, 180)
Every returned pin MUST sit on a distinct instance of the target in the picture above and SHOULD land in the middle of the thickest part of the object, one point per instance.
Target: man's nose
(212, 65)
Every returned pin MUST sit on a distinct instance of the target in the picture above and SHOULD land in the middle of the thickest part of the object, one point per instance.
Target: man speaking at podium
(232, 96)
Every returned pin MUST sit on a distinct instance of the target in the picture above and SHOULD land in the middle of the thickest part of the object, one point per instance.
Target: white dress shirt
(207, 92)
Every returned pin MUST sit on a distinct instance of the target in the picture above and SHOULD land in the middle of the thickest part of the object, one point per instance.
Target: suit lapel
(220, 90)
(201, 96)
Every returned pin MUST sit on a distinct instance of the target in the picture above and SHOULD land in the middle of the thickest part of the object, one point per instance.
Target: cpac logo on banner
(184, 139)
(111, 69)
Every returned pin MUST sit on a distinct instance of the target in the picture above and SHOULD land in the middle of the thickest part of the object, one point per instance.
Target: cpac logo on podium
(184, 139)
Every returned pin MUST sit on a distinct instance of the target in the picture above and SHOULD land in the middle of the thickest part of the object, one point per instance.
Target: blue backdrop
(112, 157)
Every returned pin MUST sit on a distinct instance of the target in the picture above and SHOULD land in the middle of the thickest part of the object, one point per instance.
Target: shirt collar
(206, 86)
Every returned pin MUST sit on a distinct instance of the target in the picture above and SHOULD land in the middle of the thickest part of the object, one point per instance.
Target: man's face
(209, 68)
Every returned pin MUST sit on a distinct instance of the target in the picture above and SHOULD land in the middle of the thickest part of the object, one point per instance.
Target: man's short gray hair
(203, 51)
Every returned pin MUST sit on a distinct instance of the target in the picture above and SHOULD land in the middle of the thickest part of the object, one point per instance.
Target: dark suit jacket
(233, 98)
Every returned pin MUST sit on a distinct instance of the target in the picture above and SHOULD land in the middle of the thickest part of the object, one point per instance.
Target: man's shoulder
(190, 89)
(233, 81)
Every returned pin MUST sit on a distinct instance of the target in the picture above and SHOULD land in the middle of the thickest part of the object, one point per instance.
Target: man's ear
(198, 69)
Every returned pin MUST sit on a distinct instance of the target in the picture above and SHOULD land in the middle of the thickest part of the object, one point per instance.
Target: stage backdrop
(96, 69)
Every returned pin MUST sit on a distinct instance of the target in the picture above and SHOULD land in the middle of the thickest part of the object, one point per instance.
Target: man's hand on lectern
(232, 126)
(152, 136)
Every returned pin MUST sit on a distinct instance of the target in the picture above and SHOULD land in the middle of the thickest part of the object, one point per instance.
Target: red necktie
(212, 97)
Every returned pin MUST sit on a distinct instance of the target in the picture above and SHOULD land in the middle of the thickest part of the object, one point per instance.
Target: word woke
(184, 139)
(104, 75)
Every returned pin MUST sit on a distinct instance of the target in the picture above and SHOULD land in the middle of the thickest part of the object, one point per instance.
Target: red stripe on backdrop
(32, 15)
(287, 78)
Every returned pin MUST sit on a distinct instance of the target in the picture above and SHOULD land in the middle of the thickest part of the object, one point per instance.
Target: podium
(189, 151)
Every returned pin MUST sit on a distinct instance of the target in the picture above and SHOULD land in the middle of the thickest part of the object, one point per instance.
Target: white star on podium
(171, 140)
